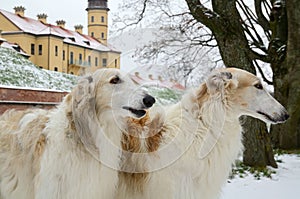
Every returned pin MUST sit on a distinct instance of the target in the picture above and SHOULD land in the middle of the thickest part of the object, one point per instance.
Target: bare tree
(183, 46)
(247, 36)
(285, 24)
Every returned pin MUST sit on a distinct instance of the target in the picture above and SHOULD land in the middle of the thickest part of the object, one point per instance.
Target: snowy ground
(285, 184)
(15, 70)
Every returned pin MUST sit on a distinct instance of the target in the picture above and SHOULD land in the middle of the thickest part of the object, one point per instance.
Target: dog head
(102, 100)
(244, 94)
(109, 90)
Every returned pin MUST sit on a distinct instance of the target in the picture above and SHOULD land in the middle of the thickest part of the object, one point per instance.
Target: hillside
(15, 70)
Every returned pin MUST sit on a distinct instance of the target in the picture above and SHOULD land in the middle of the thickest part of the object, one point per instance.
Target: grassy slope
(15, 70)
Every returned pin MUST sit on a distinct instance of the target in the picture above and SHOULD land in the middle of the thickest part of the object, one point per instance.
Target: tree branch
(254, 55)
(202, 14)
(139, 18)
(255, 36)
(262, 73)
(260, 16)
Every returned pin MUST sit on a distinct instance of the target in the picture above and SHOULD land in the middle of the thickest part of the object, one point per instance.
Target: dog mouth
(268, 117)
(281, 118)
(138, 112)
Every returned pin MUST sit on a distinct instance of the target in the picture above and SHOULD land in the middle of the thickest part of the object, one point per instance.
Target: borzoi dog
(192, 147)
(56, 154)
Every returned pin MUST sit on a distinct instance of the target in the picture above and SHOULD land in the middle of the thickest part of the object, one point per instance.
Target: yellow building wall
(56, 62)
(25, 41)
(43, 59)
(97, 27)
(6, 25)
(65, 58)
(113, 60)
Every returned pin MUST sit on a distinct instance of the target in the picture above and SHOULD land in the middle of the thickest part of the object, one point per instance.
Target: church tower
(98, 19)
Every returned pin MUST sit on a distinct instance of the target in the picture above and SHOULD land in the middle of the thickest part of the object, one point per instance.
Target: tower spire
(97, 4)
(98, 19)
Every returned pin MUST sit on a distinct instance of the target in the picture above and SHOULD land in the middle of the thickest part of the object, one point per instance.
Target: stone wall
(22, 98)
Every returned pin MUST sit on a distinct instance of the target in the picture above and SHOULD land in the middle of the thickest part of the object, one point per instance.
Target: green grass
(241, 170)
(165, 96)
(282, 151)
(16, 70)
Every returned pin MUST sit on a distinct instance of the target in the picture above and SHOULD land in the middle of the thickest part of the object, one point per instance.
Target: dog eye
(258, 86)
(115, 80)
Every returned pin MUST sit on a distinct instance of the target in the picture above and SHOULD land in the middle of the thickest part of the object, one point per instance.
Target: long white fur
(56, 154)
(208, 135)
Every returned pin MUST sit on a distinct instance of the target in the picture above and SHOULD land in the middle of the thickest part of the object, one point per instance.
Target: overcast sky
(72, 11)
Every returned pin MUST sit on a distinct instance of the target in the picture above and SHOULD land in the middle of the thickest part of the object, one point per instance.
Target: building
(56, 48)
(13, 46)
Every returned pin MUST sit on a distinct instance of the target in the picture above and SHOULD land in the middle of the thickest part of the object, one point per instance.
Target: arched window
(71, 57)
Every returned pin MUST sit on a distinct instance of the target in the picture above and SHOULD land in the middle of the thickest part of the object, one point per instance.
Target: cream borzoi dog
(191, 148)
(56, 154)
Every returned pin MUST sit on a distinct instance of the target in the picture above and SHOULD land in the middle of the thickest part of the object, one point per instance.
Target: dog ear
(218, 81)
(84, 113)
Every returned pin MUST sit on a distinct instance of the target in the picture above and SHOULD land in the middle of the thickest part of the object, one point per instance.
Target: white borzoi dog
(56, 154)
(192, 146)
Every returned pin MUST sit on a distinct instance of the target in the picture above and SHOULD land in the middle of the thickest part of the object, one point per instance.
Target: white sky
(72, 11)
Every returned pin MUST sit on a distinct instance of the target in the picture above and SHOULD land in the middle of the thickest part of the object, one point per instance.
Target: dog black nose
(286, 116)
(148, 101)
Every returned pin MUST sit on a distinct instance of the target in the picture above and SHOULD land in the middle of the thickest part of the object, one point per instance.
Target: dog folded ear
(218, 81)
(84, 113)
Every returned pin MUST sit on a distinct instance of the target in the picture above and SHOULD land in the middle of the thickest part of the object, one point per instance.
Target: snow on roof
(160, 83)
(36, 27)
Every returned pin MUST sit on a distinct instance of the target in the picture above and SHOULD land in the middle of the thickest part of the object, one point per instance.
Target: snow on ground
(283, 185)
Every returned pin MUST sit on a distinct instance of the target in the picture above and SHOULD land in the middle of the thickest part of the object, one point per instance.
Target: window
(32, 49)
(80, 58)
(96, 61)
(92, 19)
(72, 39)
(116, 63)
(102, 35)
(17, 48)
(92, 34)
(71, 57)
(64, 55)
(55, 69)
(102, 19)
(87, 43)
(56, 50)
(104, 62)
(40, 49)
(89, 60)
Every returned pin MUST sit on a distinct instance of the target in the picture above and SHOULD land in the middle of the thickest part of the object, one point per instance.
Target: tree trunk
(262, 153)
(287, 78)
(234, 49)
(225, 23)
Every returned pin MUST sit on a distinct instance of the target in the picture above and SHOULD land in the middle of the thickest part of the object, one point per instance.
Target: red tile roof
(35, 27)
(160, 83)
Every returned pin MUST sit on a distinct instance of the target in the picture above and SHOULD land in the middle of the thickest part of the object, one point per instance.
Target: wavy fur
(56, 154)
(201, 137)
